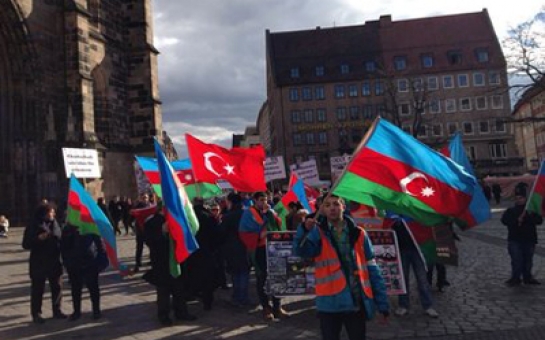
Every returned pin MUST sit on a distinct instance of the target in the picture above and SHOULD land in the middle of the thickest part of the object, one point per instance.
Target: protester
(144, 202)
(42, 237)
(102, 205)
(84, 257)
(235, 252)
(255, 223)
(127, 218)
(171, 291)
(411, 257)
(349, 284)
(116, 212)
(522, 239)
(4, 226)
(203, 273)
(496, 191)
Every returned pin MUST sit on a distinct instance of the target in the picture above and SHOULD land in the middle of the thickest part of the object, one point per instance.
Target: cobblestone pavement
(476, 306)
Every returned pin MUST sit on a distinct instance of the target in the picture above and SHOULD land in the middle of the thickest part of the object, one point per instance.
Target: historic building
(79, 74)
(529, 122)
(325, 86)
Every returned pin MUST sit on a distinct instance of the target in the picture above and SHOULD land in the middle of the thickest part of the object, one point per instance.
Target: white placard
(83, 163)
(274, 168)
(338, 163)
(307, 171)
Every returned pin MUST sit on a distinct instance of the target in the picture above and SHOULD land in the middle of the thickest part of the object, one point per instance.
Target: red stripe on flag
(289, 197)
(177, 234)
(540, 186)
(153, 177)
(390, 173)
(75, 203)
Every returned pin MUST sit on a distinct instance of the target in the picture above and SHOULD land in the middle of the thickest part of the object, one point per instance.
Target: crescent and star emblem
(208, 164)
(426, 191)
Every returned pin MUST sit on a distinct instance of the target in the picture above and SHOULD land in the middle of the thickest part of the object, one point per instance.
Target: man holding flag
(522, 238)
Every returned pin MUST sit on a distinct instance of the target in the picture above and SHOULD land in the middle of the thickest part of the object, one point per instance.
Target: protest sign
(287, 274)
(83, 163)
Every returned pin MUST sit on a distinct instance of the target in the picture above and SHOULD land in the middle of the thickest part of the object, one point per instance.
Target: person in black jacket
(202, 272)
(42, 237)
(156, 237)
(84, 257)
(238, 264)
(522, 239)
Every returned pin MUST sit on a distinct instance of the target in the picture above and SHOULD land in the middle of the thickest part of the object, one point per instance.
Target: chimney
(385, 20)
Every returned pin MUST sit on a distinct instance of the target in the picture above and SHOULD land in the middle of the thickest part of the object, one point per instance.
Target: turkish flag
(243, 168)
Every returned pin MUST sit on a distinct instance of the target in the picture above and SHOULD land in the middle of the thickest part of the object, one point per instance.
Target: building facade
(433, 77)
(529, 124)
(79, 74)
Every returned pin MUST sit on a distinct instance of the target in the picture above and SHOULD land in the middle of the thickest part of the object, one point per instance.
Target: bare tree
(524, 50)
(406, 98)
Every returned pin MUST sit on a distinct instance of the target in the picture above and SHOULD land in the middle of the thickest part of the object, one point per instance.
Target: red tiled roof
(382, 40)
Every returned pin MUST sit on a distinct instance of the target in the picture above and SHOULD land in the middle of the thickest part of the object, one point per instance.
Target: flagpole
(360, 146)
(533, 186)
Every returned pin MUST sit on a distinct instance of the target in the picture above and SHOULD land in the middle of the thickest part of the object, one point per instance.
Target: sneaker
(38, 319)
(74, 316)
(432, 313)
(60, 315)
(401, 311)
(532, 281)
(166, 322)
(268, 314)
(186, 317)
(280, 313)
(512, 282)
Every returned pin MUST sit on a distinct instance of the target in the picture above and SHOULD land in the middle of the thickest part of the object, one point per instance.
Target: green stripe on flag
(74, 218)
(204, 190)
(356, 188)
(282, 212)
(174, 267)
(535, 203)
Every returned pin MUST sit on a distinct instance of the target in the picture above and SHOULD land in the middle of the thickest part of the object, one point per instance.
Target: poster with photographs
(387, 256)
(287, 275)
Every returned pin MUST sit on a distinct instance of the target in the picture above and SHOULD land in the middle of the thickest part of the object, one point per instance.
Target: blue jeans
(411, 257)
(241, 281)
(522, 256)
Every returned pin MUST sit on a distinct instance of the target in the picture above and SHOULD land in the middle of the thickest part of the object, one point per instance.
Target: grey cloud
(212, 70)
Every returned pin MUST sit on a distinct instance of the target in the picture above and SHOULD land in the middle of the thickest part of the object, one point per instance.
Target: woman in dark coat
(42, 237)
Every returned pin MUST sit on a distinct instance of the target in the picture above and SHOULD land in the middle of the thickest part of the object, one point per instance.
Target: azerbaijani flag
(85, 214)
(296, 193)
(393, 171)
(537, 196)
(479, 208)
(183, 170)
(180, 216)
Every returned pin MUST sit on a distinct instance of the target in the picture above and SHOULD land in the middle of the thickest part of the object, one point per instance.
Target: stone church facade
(78, 74)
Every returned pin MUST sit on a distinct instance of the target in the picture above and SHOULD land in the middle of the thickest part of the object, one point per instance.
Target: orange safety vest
(330, 279)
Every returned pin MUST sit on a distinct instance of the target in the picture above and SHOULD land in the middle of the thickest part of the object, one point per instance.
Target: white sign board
(338, 163)
(83, 163)
(274, 168)
(307, 171)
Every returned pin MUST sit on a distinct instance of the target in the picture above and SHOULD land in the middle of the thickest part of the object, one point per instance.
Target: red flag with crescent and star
(243, 168)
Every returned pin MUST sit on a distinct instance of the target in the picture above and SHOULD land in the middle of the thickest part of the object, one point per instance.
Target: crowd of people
(231, 238)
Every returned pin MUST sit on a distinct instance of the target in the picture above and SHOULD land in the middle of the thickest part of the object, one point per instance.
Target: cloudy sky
(212, 61)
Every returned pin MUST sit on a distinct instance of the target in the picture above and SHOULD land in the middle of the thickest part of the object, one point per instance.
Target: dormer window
(345, 69)
(400, 63)
(482, 55)
(427, 60)
(320, 71)
(370, 66)
(294, 72)
(454, 57)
